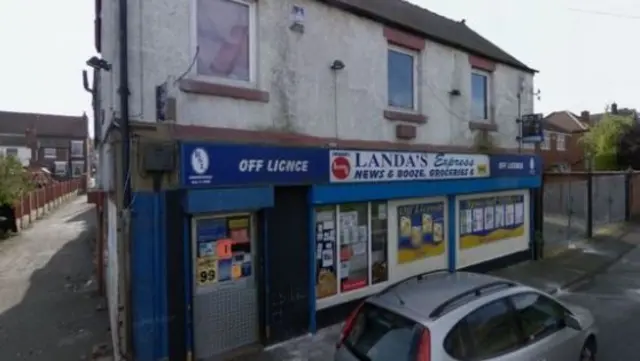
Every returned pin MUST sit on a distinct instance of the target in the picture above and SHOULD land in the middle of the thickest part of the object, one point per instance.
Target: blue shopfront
(263, 244)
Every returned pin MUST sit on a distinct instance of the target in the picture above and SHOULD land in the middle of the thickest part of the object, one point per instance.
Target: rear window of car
(382, 335)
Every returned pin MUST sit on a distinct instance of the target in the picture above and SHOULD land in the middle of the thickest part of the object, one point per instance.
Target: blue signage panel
(513, 165)
(531, 128)
(242, 164)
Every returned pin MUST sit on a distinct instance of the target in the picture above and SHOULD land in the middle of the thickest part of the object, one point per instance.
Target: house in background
(561, 150)
(15, 147)
(613, 109)
(56, 142)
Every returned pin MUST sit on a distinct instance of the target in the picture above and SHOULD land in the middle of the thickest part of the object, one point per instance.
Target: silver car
(442, 316)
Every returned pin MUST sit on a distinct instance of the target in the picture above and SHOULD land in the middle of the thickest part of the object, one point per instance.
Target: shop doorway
(225, 304)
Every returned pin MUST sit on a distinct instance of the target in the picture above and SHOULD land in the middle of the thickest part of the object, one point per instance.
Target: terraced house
(266, 164)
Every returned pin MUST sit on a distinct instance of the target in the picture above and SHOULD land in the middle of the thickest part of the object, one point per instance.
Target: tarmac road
(614, 299)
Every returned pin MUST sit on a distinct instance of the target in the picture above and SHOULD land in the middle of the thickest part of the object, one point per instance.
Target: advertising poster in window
(326, 272)
(490, 219)
(354, 247)
(421, 231)
(223, 250)
(379, 255)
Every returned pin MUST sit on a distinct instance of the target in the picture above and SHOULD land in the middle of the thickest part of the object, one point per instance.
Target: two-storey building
(289, 158)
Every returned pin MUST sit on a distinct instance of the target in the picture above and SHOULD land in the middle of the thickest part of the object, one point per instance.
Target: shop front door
(225, 304)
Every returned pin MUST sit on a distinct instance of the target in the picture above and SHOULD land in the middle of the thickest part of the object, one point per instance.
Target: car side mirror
(572, 322)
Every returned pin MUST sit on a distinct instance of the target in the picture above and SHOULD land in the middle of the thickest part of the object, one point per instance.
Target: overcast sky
(586, 58)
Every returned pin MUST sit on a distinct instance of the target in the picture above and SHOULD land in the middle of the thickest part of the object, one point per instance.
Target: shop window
(421, 231)
(379, 249)
(354, 244)
(351, 241)
(223, 250)
(488, 219)
(326, 243)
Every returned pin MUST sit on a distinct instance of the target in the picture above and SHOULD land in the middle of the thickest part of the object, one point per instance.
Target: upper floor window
(480, 95)
(12, 152)
(50, 153)
(560, 142)
(77, 149)
(546, 143)
(402, 77)
(225, 39)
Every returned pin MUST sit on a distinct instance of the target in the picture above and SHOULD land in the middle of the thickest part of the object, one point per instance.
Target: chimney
(614, 108)
(585, 116)
(32, 143)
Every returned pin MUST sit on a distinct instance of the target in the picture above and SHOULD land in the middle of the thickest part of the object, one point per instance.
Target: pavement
(49, 310)
(602, 274)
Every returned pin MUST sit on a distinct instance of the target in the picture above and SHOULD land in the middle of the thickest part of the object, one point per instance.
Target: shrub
(14, 180)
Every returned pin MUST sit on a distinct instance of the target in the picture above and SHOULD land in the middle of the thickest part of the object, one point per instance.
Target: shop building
(314, 153)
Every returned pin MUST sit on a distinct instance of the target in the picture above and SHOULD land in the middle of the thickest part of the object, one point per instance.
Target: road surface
(614, 299)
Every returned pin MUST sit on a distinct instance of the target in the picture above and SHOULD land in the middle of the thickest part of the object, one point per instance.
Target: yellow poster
(236, 271)
(206, 270)
(421, 231)
(491, 219)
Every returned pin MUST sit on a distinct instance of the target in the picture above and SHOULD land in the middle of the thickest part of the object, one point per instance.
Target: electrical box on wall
(158, 157)
(297, 19)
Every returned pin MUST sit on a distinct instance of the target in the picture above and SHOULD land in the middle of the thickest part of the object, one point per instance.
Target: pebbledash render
(289, 158)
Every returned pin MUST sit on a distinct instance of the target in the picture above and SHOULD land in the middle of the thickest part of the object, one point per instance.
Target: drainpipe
(124, 93)
(125, 216)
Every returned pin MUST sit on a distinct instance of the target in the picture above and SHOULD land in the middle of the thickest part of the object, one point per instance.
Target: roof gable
(440, 29)
(52, 125)
(565, 121)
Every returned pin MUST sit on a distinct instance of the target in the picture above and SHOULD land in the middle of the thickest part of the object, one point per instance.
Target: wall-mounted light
(337, 65)
(98, 64)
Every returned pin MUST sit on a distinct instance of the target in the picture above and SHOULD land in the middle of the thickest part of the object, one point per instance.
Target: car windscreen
(381, 335)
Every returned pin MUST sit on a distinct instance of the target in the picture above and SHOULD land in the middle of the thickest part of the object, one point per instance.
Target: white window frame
(489, 103)
(54, 155)
(253, 48)
(561, 140)
(60, 164)
(546, 143)
(416, 60)
(71, 153)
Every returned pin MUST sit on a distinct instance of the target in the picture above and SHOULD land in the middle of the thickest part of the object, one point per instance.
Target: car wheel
(588, 353)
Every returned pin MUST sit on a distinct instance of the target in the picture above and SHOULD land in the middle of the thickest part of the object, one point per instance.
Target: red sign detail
(348, 285)
(340, 168)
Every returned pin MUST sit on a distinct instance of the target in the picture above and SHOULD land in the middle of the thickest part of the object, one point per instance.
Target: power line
(605, 13)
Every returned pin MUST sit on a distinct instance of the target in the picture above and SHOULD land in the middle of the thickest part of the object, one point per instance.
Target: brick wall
(573, 155)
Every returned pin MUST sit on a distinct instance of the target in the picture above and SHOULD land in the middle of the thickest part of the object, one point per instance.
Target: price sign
(207, 271)
(223, 248)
